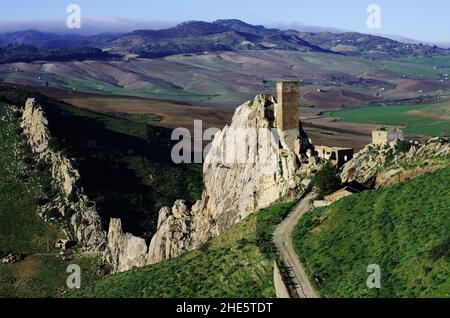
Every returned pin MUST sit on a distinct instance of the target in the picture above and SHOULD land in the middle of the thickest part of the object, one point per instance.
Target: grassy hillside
(232, 265)
(22, 231)
(404, 229)
(267, 221)
(228, 78)
(431, 120)
(21, 188)
(238, 263)
(43, 276)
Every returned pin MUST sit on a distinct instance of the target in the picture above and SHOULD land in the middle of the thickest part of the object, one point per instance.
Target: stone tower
(287, 112)
(288, 116)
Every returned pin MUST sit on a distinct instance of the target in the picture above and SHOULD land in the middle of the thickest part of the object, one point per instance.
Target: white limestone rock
(234, 189)
(84, 219)
(377, 164)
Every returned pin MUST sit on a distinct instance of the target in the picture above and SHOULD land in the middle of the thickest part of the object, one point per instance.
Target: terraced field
(422, 119)
(227, 79)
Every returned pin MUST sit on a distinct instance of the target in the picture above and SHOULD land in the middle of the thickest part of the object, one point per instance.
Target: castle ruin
(287, 116)
(383, 136)
(338, 156)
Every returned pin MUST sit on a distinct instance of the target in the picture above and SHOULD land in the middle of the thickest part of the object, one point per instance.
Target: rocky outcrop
(69, 202)
(245, 171)
(11, 259)
(236, 184)
(124, 251)
(174, 233)
(380, 165)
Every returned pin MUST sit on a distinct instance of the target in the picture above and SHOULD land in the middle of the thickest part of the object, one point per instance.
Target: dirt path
(283, 241)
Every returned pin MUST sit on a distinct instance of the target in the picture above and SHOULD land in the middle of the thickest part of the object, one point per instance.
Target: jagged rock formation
(245, 171)
(380, 165)
(124, 251)
(70, 203)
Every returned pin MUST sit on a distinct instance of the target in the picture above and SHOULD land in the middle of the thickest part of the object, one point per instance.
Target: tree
(327, 181)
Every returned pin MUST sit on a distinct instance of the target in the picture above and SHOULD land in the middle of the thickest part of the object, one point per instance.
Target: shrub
(403, 146)
(326, 181)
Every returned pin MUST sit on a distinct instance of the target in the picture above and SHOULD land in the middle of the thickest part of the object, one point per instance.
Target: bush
(326, 181)
(403, 146)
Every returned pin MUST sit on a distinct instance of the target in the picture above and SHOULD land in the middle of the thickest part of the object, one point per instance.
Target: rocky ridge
(379, 166)
(234, 189)
(70, 203)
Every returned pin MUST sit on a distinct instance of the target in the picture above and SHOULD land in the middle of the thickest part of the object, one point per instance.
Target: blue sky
(423, 20)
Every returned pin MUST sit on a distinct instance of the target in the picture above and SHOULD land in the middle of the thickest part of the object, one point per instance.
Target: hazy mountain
(352, 43)
(198, 36)
(225, 35)
(43, 39)
(444, 45)
(88, 27)
(307, 28)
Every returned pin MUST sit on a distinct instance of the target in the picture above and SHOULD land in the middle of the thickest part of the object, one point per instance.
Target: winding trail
(283, 241)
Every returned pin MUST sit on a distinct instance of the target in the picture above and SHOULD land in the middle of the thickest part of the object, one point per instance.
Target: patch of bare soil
(426, 85)
(174, 114)
(424, 113)
(337, 98)
(328, 131)
(26, 270)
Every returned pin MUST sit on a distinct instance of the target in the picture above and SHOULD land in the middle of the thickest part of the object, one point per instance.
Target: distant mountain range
(225, 35)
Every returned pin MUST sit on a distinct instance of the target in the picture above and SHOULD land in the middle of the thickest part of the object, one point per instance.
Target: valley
(208, 86)
(87, 163)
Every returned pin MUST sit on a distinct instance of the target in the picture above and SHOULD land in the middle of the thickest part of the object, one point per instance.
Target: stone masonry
(287, 112)
(287, 115)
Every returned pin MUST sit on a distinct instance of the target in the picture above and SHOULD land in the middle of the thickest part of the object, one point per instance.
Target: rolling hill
(225, 35)
(226, 61)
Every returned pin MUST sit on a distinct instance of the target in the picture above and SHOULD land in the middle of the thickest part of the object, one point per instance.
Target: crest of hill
(226, 35)
(186, 29)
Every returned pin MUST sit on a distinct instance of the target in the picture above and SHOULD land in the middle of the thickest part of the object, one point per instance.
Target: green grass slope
(231, 266)
(267, 221)
(43, 276)
(404, 229)
(22, 231)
